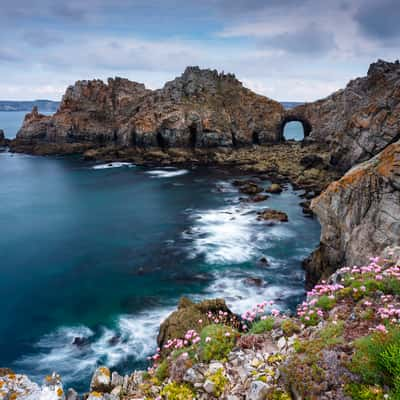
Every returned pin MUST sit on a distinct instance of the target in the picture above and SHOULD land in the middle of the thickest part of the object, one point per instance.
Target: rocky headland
(344, 341)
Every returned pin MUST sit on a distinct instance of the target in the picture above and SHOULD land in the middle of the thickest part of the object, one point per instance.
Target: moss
(216, 342)
(289, 327)
(363, 392)
(162, 371)
(303, 370)
(326, 303)
(175, 391)
(262, 326)
(220, 381)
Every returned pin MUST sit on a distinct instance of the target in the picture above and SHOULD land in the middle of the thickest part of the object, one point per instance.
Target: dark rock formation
(202, 108)
(187, 317)
(274, 188)
(359, 121)
(3, 141)
(359, 214)
(272, 215)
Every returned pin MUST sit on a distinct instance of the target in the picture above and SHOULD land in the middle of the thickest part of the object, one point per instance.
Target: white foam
(113, 165)
(167, 173)
(229, 235)
(132, 336)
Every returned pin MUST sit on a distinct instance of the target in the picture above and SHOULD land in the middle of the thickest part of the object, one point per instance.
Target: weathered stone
(251, 189)
(272, 215)
(101, 380)
(201, 108)
(209, 386)
(258, 391)
(72, 394)
(359, 215)
(274, 188)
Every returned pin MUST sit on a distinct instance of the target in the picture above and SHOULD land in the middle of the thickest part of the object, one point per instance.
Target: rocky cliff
(359, 214)
(202, 108)
(359, 121)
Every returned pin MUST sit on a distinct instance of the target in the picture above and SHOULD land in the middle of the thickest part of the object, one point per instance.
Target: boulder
(251, 189)
(272, 215)
(258, 391)
(274, 188)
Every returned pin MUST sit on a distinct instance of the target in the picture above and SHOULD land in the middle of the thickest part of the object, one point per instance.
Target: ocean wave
(231, 285)
(167, 173)
(113, 165)
(131, 337)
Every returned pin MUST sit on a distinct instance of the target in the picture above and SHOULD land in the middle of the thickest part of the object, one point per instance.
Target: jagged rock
(274, 188)
(359, 121)
(187, 317)
(253, 281)
(3, 141)
(101, 380)
(201, 108)
(258, 198)
(272, 215)
(359, 214)
(15, 386)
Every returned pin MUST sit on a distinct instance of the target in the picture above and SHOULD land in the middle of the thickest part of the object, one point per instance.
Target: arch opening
(161, 142)
(193, 135)
(256, 138)
(296, 129)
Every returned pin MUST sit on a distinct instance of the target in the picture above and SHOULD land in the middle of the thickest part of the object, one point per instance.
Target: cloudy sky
(285, 49)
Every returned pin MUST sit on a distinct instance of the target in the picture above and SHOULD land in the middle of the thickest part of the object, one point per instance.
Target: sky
(289, 50)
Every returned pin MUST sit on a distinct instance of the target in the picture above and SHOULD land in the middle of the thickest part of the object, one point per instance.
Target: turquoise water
(103, 253)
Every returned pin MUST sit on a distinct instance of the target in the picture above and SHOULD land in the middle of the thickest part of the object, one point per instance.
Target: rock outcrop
(3, 141)
(202, 108)
(359, 214)
(187, 316)
(359, 121)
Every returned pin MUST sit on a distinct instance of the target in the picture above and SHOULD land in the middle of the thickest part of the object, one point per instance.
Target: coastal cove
(107, 251)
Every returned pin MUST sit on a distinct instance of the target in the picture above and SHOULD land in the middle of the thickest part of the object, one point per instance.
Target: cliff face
(359, 214)
(202, 108)
(360, 120)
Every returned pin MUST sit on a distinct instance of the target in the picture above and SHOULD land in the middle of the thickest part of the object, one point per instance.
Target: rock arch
(294, 117)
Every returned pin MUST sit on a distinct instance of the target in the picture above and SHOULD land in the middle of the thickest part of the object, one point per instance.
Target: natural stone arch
(307, 128)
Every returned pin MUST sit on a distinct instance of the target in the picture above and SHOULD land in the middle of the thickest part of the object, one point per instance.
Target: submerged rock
(251, 189)
(274, 188)
(272, 215)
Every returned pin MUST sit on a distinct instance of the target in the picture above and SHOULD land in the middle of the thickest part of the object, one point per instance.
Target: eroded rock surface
(359, 121)
(359, 214)
(201, 108)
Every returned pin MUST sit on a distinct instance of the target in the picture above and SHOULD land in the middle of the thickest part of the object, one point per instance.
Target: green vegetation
(175, 391)
(326, 303)
(363, 392)
(377, 360)
(216, 342)
(262, 326)
(162, 371)
(289, 327)
(220, 381)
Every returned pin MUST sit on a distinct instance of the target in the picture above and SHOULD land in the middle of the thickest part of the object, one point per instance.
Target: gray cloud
(309, 40)
(379, 19)
(41, 38)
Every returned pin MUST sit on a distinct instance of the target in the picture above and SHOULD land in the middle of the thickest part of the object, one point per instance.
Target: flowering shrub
(175, 391)
(216, 342)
